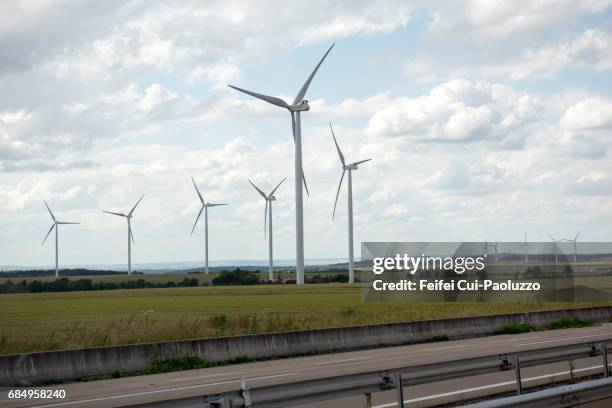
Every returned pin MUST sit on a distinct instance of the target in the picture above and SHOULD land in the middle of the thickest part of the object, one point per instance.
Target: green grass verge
(566, 323)
(569, 323)
(52, 321)
(516, 328)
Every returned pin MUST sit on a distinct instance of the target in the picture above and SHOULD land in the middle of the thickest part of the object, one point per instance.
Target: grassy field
(48, 321)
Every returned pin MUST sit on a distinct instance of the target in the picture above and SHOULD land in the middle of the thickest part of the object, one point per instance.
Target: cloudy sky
(485, 120)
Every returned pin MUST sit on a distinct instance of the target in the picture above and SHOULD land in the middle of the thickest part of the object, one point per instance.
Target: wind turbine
(347, 167)
(555, 247)
(299, 105)
(55, 225)
(526, 247)
(485, 248)
(130, 237)
(268, 220)
(486, 245)
(574, 246)
(204, 208)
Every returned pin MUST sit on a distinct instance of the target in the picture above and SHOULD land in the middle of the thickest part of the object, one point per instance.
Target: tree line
(236, 277)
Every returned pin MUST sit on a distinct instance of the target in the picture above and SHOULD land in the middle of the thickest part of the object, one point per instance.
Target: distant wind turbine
(55, 225)
(486, 245)
(204, 208)
(347, 167)
(574, 246)
(526, 247)
(299, 105)
(130, 237)
(555, 247)
(268, 220)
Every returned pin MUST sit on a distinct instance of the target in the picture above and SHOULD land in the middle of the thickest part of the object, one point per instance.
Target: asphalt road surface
(159, 387)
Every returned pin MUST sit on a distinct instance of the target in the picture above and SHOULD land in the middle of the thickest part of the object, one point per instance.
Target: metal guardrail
(302, 392)
(565, 396)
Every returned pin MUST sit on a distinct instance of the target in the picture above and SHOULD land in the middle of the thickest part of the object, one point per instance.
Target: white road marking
(555, 340)
(272, 376)
(136, 394)
(486, 387)
(447, 347)
(346, 360)
(206, 376)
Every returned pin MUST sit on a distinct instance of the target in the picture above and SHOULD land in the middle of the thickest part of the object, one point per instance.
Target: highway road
(159, 387)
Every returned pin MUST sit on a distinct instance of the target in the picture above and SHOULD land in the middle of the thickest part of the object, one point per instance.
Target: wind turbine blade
(196, 221)
(198, 191)
(270, 99)
(131, 235)
(361, 162)
(136, 205)
(576, 237)
(337, 147)
(304, 180)
(266, 219)
(114, 213)
(300, 96)
(275, 188)
(52, 216)
(67, 223)
(258, 189)
(293, 125)
(551, 237)
(338, 193)
(47, 236)
(216, 205)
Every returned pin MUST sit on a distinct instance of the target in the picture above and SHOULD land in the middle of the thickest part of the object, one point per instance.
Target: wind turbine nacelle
(273, 198)
(351, 166)
(301, 106)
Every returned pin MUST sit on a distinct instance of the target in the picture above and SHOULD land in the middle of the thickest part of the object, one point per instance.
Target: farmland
(49, 321)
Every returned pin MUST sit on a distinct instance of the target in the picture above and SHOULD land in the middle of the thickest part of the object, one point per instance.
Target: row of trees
(236, 277)
(67, 285)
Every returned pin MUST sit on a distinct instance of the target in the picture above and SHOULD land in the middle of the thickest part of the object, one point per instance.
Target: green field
(49, 321)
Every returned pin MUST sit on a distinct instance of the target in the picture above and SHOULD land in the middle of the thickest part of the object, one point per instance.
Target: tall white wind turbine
(130, 236)
(204, 208)
(268, 220)
(299, 105)
(55, 225)
(347, 167)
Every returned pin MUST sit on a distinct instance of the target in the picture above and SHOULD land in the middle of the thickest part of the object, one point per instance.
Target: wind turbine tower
(130, 235)
(486, 245)
(298, 106)
(555, 247)
(55, 225)
(204, 208)
(350, 167)
(268, 220)
(526, 247)
(574, 246)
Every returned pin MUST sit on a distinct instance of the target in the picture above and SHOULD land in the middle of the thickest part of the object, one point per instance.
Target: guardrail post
(400, 390)
(368, 400)
(604, 354)
(517, 371)
(246, 395)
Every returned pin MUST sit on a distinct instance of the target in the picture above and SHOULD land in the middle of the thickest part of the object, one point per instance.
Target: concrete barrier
(63, 365)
